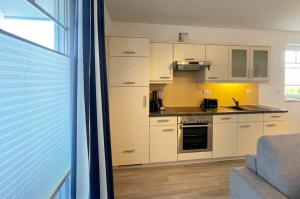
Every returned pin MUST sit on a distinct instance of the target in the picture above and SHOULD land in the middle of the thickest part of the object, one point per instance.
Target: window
(35, 100)
(38, 31)
(40, 21)
(292, 73)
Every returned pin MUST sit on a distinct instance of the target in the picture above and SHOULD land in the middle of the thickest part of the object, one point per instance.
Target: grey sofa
(274, 173)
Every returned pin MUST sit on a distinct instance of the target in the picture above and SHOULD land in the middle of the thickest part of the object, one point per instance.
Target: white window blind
(35, 120)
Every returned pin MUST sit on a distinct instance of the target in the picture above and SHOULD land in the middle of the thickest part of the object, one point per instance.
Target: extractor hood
(192, 65)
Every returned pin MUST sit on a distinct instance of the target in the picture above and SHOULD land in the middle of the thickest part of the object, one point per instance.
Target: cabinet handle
(271, 125)
(189, 59)
(145, 101)
(128, 151)
(163, 120)
(165, 77)
(192, 126)
(245, 126)
(275, 116)
(129, 52)
(168, 130)
(213, 78)
(225, 118)
(128, 83)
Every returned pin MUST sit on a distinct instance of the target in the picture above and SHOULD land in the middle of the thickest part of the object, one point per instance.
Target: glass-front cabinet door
(259, 63)
(239, 63)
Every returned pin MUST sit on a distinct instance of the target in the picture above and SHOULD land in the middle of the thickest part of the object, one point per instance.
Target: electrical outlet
(206, 91)
(249, 91)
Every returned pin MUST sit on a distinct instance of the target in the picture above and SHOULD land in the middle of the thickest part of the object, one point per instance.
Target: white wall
(107, 21)
(271, 93)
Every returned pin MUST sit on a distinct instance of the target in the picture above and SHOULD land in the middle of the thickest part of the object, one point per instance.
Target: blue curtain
(90, 25)
(74, 74)
(104, 95)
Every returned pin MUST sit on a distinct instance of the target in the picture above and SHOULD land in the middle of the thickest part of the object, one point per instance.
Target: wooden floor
(189, 181)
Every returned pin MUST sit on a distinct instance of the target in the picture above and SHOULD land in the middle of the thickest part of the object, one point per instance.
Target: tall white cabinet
(128, 76)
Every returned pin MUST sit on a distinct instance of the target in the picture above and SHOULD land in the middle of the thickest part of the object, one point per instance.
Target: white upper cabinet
(128, 47)
(161, 63)
(260, 63)
(219, 58)
(249, 63)
(128, 71)
(189, 52)
(239, 62)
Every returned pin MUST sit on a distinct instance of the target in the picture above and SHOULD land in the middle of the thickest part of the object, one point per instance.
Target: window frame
(60, 42)
(296, 50)
(62, 34)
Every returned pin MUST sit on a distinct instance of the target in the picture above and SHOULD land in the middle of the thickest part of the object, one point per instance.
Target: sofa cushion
(251, 162)
(278, 162)
(245, 184)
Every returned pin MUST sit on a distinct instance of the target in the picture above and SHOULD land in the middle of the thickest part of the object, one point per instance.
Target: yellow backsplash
(185, 91)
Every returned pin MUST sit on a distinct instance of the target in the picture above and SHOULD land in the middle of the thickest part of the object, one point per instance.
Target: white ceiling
(248, 14)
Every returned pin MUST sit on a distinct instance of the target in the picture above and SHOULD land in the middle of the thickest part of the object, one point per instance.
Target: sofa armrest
(251, 162)
(245, 184)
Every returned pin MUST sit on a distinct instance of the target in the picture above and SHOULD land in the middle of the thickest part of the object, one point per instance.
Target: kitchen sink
(237, 108)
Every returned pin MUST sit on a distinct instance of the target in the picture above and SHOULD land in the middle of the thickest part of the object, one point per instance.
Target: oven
(195, 134)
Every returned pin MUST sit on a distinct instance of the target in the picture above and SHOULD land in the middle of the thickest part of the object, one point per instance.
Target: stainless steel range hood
(192, 65)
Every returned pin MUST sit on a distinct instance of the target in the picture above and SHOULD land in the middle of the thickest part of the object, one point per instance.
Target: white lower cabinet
(130, 155)
(163, 143)
(275, 123)
(275, 128)
(248, 134)
(224, 140)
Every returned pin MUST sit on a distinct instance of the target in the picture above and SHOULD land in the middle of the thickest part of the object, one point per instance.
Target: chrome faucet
(237, 103)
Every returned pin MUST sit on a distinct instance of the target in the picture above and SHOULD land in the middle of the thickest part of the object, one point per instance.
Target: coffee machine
(156, 103)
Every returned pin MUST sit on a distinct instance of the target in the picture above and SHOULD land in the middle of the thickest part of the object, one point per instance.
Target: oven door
(195, 138)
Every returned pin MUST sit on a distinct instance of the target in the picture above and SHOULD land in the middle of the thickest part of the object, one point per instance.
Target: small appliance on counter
(156, 103)
(208, 103)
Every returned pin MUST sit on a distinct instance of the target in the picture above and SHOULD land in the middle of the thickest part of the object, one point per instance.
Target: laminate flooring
(187, 181)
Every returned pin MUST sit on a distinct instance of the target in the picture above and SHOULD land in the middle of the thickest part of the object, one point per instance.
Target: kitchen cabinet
(189, 52)
(130, 155)
(128, 99)
(129, 115)
(163, 143)
(129, 123)
(128, 47)
(161, 62)
(260, 63)
(225, 134)
(250, 129)
(128, 71)
(218, 55)
(249, 63)
(275, 123)
(239, 63)
(275, 117)
(163, 121)
(250, 118)
(275, 128)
